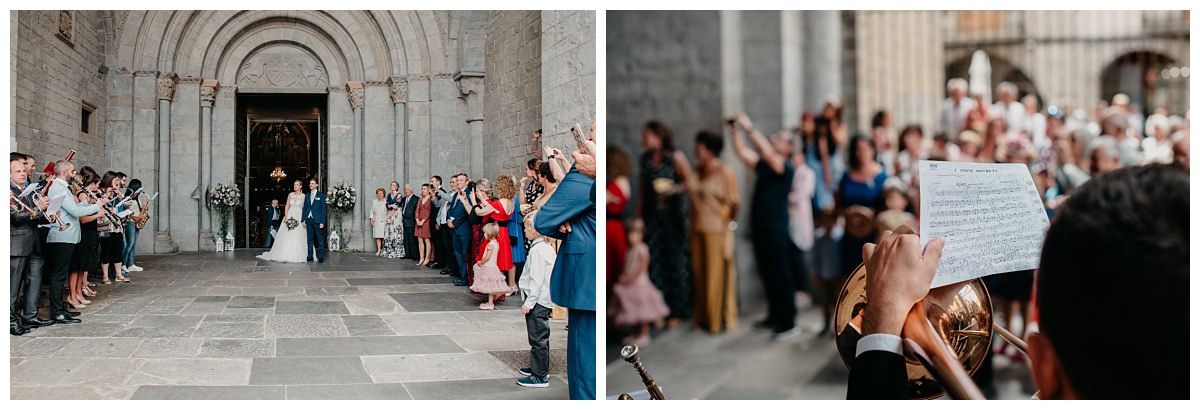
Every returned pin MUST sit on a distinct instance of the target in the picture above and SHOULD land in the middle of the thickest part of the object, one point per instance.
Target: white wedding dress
(291, 245)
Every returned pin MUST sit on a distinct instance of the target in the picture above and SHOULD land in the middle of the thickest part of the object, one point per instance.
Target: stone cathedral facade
(185, 100)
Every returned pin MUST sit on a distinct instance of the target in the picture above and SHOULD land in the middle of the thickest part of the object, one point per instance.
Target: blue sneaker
(533, 381)
(525, 371)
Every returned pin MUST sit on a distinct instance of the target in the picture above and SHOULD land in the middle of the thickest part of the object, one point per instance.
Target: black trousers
(435, 239)
(537, 325)
(59, 257)
(410, 242)
(771, 252)
(446, 236)
(24, 271)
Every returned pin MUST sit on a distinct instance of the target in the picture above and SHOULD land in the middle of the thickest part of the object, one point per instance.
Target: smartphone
(577, 132)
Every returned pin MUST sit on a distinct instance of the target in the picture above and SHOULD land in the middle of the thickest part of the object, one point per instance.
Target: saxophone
(142, 217)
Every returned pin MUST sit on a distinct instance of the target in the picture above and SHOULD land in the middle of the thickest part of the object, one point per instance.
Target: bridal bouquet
(292, 223)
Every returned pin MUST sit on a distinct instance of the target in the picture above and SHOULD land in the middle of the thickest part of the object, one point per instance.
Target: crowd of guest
(71, 248)
(820, 192)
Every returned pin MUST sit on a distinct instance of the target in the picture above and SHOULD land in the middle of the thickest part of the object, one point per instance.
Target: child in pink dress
(488, 278)
(638, 301)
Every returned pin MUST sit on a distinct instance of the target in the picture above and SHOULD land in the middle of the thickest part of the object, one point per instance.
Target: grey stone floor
(228, 326)
(746, 364)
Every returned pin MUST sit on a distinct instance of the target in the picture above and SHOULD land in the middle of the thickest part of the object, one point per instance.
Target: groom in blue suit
(314, 220)
(573, 281)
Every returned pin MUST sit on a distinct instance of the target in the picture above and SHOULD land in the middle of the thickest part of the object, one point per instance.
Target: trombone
(630, 354)
(946, 335)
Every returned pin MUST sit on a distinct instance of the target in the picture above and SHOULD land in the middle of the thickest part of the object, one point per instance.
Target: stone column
(162, 223)
(355, 93)
(208, 95)
(399, 92)
(822, 57)
(470, 85)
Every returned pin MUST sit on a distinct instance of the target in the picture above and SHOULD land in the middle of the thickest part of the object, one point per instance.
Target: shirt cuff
(879, 341)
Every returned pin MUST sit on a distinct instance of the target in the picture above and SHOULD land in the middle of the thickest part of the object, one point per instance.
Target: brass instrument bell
(960, 315)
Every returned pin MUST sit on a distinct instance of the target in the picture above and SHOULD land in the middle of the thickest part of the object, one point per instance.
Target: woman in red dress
(499, 210)
(619, 169)
(423, 233)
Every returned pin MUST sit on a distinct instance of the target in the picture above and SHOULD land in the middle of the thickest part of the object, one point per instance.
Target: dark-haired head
(1116, 252)
(134, 185)
(710, 143)
(862, 151)
(545, 172)
(656, 136)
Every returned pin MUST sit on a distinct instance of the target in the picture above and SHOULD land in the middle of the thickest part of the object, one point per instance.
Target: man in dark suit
(435, 209)
(274, 216)
(571, 215)
(456, 219)
(314, 221)
(25, 251)
(409, 209)
(1083, 283)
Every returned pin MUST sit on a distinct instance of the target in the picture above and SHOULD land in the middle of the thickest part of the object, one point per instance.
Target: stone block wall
(568, 75)
(512, 107)
(51, 81)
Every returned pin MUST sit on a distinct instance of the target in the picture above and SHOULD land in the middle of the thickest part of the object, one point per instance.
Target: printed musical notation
(989, 214)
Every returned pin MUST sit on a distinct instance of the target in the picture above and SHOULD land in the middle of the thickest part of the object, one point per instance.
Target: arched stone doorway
(1001, 70)
(1150, 79)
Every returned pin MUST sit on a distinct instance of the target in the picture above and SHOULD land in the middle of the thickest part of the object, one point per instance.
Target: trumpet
(946, 335)
(16, 205)
(630, 354)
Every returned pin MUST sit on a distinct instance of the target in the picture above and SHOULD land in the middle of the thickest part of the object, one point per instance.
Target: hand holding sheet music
(990, 214)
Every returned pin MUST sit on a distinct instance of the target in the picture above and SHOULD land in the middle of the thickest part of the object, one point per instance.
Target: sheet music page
(990, 214)
(55, 204)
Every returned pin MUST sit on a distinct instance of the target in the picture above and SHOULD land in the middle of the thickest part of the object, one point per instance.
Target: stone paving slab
(381, 391)
(230, 330)
(366, 325)
(436, 367)
(200, 372)
(372, 304)
(110, 392)
(99, 347)
(251, 302)
(437, 323)
(487, 389)
(311, 307)
(447, 302)
(365, 346)
(168, 348)
(309, 370)
(210, 393)
(305, 326)
(238, 348)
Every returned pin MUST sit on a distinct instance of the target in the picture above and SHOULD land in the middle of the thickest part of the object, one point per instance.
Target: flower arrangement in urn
(223, 199)
(342, 198)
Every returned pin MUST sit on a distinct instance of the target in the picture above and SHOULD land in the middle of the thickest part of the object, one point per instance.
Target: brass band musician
(1116, 253)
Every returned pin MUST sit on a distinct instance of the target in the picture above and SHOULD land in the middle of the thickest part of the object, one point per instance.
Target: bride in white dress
(290, 244)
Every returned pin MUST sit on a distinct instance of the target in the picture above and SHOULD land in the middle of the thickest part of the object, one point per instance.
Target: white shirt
(953, 119)
(535, 279)
(311, 196)
(1013, 114)
(800, 207)
(879, 341)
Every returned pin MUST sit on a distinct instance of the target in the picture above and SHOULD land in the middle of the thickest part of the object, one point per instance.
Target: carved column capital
(208, 92)
(398, 90)
(166, 86)
(354, 92)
